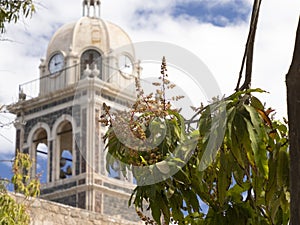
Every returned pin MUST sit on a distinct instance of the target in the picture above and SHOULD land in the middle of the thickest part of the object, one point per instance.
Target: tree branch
(248, 54)
(293, 103)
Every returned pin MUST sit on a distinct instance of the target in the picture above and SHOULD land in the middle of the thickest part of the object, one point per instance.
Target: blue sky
(214, 30)
(217, 14)
(5, 167)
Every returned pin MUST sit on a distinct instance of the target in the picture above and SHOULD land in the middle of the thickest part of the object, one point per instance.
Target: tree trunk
(293, 103)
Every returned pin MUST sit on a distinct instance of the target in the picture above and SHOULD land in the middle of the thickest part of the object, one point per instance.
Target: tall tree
(245, 180)
(293, 102)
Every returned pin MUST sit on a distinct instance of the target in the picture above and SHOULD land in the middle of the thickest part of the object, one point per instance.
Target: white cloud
(221, 48)
(274, 48)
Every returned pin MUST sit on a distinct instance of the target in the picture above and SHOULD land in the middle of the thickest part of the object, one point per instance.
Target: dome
(87, 32)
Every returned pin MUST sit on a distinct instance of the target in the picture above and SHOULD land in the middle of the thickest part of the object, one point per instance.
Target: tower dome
(88, 32)
(102, 48)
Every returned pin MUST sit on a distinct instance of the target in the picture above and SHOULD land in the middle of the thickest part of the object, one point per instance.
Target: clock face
(125, 65)
(56, 63)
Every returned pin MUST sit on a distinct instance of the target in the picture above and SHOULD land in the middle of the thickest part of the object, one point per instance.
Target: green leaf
(238, 172)
(191, 200)
(182, 177)
(236, 135)
(257, 136)
(274, 210)
(224, 178)
(155, 211)
(237, 190)
(230, 117)
(256, 103)
(213, 135)
(162, 201)
(283, 169)
(271, 186)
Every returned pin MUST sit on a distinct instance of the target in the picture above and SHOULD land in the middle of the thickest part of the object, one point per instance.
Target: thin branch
(6, 39)
(193, 118)
(7, 160)
(248, 54)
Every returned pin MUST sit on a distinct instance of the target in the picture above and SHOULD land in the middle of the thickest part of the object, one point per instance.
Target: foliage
(243, 180)
(21, 178)
(11, 11)
(12, 212)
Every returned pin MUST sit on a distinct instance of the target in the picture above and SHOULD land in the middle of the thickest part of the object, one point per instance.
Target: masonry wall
(44, 212)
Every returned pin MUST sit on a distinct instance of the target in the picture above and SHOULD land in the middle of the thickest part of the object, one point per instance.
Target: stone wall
(44, 212)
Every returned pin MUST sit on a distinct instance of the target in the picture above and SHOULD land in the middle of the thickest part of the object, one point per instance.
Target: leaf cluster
(21, 179)
(12, 10)
(13, 212)
(232, 169)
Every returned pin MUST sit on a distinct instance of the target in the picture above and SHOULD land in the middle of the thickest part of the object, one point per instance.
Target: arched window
(65, 139)
(40, 142)
(92, 59)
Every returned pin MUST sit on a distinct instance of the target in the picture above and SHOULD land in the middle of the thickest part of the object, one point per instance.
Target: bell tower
(88, 62)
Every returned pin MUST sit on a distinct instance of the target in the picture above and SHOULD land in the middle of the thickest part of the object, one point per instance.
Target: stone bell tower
(87, 63)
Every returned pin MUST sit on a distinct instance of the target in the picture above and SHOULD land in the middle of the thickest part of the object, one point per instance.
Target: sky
(214, 30)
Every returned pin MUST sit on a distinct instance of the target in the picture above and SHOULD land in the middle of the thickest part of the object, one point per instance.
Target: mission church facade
(87, 63)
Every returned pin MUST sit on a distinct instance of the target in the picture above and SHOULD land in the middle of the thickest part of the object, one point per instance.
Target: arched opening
(91, 59)
(65, 139)
(40, 142)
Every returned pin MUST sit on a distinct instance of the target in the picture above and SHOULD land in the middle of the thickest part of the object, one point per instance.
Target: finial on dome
(91, 4)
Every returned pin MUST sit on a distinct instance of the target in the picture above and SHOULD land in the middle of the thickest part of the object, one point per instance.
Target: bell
(69, 171)
(62, 174)
(62, 162)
